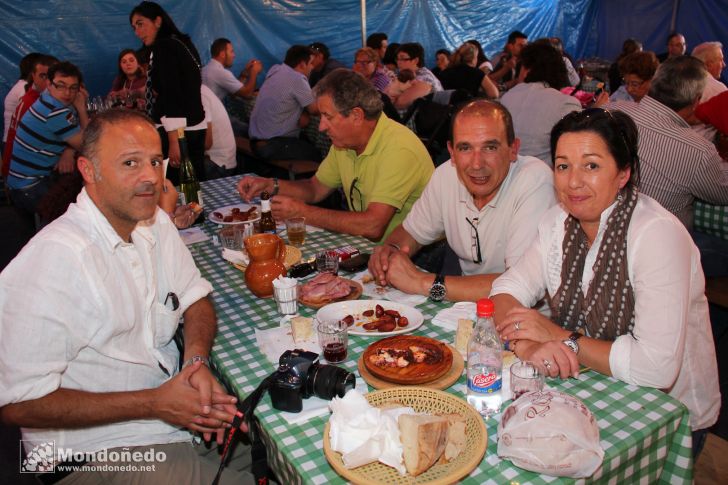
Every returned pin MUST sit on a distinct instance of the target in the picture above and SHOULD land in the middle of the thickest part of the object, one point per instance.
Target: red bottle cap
(485, 307)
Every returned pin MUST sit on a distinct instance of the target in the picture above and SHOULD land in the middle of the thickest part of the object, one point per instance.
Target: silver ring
(517, 326)
(547, 364)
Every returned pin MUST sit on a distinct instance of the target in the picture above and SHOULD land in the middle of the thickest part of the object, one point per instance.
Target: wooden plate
(356, 291)
(414, 373)
(442, 383)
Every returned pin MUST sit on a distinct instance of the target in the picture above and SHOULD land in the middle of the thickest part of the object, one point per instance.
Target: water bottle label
(485, 383)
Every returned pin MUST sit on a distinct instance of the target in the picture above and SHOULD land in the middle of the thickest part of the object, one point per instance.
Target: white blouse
(672, 347)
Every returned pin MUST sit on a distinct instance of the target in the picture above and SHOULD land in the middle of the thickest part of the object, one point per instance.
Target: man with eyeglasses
(39, 76)
(47, 134)
(380, 164)
(678, 165)
(486, 201)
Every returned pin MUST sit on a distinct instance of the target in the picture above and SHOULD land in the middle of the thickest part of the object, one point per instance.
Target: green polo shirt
(393, 169)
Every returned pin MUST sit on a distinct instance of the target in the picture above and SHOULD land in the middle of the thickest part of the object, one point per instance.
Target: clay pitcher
(267, 253)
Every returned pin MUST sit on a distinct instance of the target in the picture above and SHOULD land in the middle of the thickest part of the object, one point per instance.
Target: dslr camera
(300, 376)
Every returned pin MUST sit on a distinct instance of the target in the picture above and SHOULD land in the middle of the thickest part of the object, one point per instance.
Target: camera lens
(327, 381)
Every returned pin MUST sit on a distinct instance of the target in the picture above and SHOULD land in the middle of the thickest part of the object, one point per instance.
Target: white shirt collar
(106, 232)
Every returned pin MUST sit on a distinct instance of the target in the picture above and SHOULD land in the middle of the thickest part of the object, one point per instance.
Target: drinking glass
(333, 337)
(327, 262)
(286, 298)
(525, 377)
(231, 237)
(296, 230)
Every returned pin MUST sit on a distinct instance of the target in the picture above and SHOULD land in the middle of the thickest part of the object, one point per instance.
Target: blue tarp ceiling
(91, 33)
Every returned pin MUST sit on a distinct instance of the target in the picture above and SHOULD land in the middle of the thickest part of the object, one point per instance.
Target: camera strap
(245, 413)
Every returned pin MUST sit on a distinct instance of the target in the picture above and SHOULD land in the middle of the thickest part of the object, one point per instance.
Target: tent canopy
(91, 34)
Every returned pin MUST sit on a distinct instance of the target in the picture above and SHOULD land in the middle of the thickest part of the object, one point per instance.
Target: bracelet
(395, 246)
(196, 358)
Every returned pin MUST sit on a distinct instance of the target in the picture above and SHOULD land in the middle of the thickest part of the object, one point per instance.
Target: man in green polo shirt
(381, 165)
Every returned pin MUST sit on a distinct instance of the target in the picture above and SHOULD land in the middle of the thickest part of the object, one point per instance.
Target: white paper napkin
(363, 433)
(235, 257)
(372, 290)
(448, 318)
(193, 235)
(312, 407)
(274, 341)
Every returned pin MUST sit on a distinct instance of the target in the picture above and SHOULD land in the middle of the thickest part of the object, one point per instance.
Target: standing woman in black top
(173, 87)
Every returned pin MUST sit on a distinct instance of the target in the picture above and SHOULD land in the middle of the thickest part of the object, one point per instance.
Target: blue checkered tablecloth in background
(644, 432)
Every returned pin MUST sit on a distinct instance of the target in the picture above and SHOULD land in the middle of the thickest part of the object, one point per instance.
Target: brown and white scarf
(607, 311)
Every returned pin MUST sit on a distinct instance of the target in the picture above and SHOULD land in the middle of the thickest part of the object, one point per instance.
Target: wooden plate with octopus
(408, 359)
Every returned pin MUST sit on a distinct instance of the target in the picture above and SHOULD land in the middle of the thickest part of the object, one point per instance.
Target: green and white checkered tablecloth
(711, 219)
(644, 432)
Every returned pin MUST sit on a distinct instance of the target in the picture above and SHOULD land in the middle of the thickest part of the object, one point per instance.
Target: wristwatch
(438, 290)
(571, 342)
(276, 187)
(196, 358)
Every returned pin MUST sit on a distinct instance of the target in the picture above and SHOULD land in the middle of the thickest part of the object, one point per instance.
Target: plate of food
(428, 458)
(326, 288)
(235, 214)
(410, 360)
(379, 318)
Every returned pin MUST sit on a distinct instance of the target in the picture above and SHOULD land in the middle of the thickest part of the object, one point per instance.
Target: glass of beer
(296, 229)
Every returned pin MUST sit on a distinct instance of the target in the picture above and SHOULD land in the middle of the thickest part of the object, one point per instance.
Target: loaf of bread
(423, 441)
(455, 437)
(301, 328)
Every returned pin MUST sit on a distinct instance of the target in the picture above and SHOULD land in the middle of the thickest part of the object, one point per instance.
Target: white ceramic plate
(338, 310)
(226, 211)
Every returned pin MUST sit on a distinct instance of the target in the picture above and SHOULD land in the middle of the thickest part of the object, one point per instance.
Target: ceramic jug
(267, 253)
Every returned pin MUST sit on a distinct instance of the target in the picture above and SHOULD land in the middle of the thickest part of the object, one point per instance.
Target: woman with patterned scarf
(622, 276)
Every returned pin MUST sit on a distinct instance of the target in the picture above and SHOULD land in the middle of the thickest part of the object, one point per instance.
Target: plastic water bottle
(485, 363)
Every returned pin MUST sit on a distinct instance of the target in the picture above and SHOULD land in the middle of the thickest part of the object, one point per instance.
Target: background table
(711, 219)
(644, 432)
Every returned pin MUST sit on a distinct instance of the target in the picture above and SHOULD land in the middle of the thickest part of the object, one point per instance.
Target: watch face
(572, 345)
(437, 292)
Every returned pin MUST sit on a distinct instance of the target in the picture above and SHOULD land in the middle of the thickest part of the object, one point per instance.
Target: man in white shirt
(217, 77)
(88, 311)
(220, 148)
(486, 201)
(711, 53)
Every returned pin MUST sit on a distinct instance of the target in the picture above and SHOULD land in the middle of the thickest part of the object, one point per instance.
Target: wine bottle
(190, 192)
(267, 223)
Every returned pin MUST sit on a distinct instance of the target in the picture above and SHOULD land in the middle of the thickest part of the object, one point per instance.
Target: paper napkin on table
(312, 408)
(274, 341)
(372, 290)
(448, 318)
(193, 235)
(235, 257)
(364, 434)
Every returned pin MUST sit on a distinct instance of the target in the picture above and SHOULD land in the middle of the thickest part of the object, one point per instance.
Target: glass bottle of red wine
(189, 187)
(267, 223)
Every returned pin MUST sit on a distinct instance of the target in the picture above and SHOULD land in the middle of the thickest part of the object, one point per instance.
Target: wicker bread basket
(427, 400)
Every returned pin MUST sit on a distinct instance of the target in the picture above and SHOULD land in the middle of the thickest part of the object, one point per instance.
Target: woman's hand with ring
(525, 323)
(553, 359)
